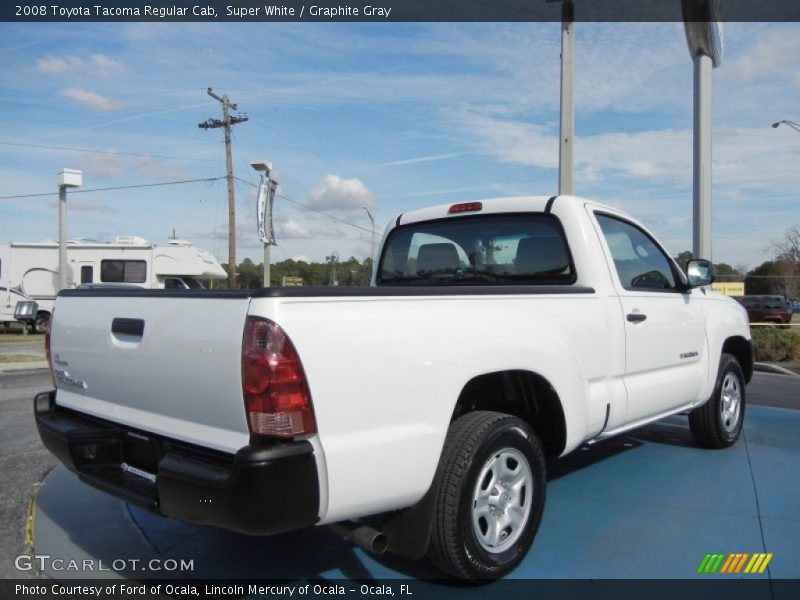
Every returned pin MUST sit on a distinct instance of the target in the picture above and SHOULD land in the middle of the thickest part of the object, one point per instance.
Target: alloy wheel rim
(731, 402)
(502, 500)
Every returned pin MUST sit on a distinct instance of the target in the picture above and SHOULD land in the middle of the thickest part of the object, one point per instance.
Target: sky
(389, 116)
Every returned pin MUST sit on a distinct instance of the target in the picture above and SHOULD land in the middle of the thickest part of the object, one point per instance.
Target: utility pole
(332, 260)
(225, 123)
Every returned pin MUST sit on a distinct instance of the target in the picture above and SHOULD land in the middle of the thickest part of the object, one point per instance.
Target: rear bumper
(262, 489)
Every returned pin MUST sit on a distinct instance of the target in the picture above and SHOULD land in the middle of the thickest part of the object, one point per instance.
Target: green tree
(683, 258)
(774, 277)
(251, 276)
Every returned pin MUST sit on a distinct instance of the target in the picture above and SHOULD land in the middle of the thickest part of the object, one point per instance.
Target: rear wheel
(718, 422)
(490, 496)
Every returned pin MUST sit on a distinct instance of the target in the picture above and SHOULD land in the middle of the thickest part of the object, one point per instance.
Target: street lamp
(792, 124)
(372, 230)
(265, 190)
(67, 178)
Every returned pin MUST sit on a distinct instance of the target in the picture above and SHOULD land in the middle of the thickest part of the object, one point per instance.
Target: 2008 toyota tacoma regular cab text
(495, 333)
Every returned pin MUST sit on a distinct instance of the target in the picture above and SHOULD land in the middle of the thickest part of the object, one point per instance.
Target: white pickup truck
(495, 333)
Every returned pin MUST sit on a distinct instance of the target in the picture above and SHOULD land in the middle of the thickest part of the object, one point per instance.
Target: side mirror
(699, 272)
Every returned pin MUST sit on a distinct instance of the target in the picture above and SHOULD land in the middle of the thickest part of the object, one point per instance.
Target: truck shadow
(673, 431)
(100, 527)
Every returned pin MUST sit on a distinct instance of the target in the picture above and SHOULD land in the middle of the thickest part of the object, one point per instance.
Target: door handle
(636, 317)
(134, 327)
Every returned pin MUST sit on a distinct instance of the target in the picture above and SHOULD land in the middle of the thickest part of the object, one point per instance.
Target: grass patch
(18, 358)
(776, 345)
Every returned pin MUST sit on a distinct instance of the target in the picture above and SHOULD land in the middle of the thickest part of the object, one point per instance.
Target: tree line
(350, 272)
(779, 276)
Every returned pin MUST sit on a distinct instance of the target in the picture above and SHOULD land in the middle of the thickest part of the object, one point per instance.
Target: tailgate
(162, 362)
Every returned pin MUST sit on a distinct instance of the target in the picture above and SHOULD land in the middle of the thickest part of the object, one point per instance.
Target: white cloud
(104, 65)
(100, 65)
(58, 64)
(423, 159)
(337, 194)
(112, 166)
(510, 141)
(292, 229)
(84, 206)
(767, 57)
(91, 99)
(743, 159)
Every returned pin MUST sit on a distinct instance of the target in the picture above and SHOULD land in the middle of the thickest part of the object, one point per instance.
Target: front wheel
(490, 496)
(718, 422)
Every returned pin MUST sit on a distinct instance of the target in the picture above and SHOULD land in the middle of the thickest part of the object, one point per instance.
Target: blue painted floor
(647, 505)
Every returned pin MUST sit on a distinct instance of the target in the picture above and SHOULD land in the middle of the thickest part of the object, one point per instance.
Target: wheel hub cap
(501, 501)
(731, 402)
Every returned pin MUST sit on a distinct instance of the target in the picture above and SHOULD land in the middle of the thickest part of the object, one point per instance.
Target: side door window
(640, 263)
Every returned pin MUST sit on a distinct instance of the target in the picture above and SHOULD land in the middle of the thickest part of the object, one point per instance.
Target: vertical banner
(266, 196)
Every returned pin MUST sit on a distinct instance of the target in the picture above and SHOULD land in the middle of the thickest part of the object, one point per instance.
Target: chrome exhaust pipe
(363, 536)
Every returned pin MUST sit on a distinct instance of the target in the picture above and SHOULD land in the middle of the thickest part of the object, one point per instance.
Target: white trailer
(33, 267)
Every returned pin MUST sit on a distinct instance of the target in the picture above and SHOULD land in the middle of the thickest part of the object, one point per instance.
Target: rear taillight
(276, 396)
(47, 347)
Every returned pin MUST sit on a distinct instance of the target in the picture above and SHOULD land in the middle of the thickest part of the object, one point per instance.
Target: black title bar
(398, 10)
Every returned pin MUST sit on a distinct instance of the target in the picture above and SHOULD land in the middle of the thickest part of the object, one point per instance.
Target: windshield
(490, 249)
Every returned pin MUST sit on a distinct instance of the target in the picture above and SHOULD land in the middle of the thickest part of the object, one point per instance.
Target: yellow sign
(292, 281)
(729, 288)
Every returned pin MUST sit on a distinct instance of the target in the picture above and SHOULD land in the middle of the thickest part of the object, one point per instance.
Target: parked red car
(766, 309)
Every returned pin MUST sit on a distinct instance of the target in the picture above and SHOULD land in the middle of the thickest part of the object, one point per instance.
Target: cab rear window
(514, 249)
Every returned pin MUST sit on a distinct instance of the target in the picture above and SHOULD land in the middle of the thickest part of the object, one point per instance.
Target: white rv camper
(33, 267)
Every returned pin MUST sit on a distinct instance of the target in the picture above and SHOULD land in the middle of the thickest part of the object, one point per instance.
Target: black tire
(711, 424)
(42, 323)
(475, 442)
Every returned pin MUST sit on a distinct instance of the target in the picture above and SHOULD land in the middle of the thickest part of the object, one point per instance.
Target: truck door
(665, 339)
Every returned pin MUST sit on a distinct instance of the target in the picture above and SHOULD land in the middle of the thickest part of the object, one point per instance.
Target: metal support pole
(701, 240)
(567, 124)
(62, 237)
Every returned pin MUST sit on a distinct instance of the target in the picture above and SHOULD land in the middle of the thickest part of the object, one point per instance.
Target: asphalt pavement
(24, 463)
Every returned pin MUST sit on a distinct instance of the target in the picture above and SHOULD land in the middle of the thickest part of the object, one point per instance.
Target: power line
(120, 187)
(2, 143)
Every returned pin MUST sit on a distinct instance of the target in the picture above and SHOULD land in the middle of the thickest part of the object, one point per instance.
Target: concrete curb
(23, 366)
(770, 368)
